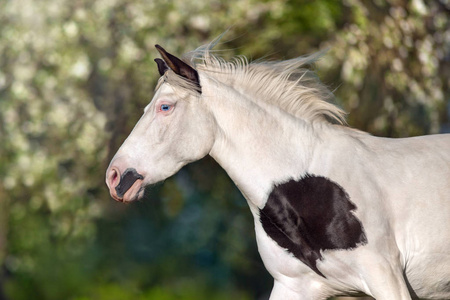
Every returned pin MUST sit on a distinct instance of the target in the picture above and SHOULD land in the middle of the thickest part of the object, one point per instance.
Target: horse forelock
(288, 84)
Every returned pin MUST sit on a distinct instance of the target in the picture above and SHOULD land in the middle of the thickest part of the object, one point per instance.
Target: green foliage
(391, 59)
(74, 78)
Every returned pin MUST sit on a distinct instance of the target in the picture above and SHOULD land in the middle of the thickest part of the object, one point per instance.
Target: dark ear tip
(163, 52)
(162, 66)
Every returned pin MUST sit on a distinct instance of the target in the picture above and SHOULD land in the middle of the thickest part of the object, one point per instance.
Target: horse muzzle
(126, 186)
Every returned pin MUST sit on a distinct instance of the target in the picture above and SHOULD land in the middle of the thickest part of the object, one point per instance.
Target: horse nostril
(113, 177)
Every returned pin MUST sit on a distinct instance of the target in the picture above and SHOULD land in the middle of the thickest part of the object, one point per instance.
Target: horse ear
(162, 66)
(178, 66)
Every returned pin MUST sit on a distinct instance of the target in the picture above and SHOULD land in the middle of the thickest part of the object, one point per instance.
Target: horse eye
(165, 107)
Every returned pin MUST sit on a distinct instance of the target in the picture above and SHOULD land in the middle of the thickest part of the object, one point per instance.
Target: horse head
(174, 130)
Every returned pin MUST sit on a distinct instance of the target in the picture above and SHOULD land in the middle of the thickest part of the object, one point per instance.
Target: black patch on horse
(310, 215)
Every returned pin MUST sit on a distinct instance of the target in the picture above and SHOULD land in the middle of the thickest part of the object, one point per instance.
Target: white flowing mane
(286, 84)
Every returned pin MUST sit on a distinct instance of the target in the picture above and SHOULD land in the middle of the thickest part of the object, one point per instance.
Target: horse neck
(256, 143)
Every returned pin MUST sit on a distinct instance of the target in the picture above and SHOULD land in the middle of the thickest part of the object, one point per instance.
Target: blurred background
(75, 76)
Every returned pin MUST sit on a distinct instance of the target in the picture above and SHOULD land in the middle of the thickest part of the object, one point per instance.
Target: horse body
(386, 177)
(336, 210)
(401, 189)
(410, 184)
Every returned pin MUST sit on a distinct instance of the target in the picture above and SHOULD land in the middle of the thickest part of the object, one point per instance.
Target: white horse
(337, 211)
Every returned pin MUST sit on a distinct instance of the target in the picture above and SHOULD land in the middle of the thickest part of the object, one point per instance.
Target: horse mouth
(135, 192)
(125, 187)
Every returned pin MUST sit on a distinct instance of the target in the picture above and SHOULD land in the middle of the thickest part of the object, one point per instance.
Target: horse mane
(287, 84)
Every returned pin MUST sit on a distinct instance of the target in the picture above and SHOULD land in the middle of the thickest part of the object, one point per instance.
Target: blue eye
(165, 107)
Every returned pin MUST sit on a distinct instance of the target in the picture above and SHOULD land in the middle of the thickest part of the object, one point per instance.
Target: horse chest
(305, 217)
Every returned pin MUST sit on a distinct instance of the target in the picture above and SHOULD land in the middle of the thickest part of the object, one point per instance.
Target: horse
(337, 211)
